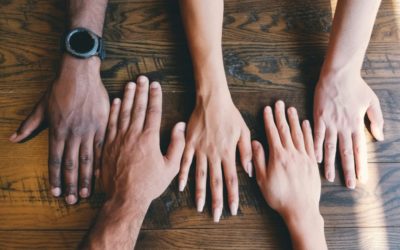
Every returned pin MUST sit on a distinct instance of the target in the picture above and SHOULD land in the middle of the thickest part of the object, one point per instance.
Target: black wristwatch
(83, 43)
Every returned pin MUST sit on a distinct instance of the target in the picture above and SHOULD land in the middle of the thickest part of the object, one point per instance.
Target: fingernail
(84, 193)
(330, 177)
(56, 191)
(233, 207)
(351, 184)
(181, 186)
(143, 80)
(117, 101)
(279, 103)
(130, 85)
(319, 158)
(200, 205)
(181, 126)
(13, 136)
(155, 85)
(70, 199)
(250, 169)
(217, 214)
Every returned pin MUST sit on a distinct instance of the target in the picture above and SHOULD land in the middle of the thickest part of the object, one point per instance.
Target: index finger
(270, 129)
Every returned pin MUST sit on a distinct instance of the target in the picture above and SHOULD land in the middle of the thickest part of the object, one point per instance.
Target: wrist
(306, 229)
(126, 207)
(331, 70)
(92, 63)
(80, 71)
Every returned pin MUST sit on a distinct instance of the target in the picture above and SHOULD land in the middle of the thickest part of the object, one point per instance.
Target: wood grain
(202, 239)
(273, 50)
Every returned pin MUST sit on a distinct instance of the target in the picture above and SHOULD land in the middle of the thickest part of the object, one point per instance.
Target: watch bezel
(91, 52)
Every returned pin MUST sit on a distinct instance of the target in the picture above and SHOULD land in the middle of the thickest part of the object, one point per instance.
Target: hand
(340, 104)
(134, 172)
(215, 129)
(133, 167)
(76, 107)
(290, 182)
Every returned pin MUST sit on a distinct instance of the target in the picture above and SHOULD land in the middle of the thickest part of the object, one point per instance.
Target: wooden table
(273, 50)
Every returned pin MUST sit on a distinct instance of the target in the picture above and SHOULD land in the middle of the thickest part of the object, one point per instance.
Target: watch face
(81, 43)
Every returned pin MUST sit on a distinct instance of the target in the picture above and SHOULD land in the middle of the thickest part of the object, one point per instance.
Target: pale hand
(215, 129)
(340, 104)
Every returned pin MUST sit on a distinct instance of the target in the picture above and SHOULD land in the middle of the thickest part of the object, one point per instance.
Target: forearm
(117, 226)
(307, 231)
(203, 24)
(351, 31)
(88, 14)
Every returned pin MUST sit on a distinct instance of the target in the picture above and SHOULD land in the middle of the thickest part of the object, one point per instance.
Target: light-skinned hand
(133, 167)
(215, 129)
(290, 180)
(340, 105)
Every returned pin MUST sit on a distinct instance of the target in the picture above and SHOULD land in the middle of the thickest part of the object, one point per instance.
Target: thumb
(32, 122)
(374, 113)
(176, 147)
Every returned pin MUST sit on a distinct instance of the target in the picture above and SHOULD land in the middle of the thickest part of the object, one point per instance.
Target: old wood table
(273, 50)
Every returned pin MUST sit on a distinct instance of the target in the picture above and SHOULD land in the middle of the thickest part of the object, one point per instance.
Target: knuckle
(330, 146)
(347, 152)
(68, 164)
(226, 152)
(125, 115)
(85, 182)
(155, 110)
(349, 173)
(357, 149)
(216, 182)
(71, 188)
(140, 108)
(200, 173)
(282, 127)
(54, 162)
(232, 181)
(99, 143)
(212, 151)
(318, 134)
(55, 180)
(85, 159)
(217, 202)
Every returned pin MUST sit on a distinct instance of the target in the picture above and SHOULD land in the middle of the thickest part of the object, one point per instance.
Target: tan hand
(290, 182)
(340, 105)
(133, 167)
(215, 129)
(76, 108)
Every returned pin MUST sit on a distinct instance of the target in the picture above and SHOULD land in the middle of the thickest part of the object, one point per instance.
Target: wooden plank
(252, 31)
(237, 238)
(26, 203)
(250, 20)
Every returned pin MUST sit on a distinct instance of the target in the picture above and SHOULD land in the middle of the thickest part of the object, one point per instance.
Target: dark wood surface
(273, 50)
